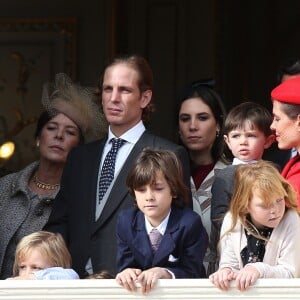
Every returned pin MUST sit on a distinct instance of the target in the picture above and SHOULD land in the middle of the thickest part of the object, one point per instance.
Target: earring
(217, 133)
(38, 143)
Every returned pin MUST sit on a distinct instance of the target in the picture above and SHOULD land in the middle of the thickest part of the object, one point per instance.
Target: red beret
(288, 91)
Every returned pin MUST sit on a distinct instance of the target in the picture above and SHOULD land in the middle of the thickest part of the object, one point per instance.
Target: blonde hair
(51, 245)
(263, 178)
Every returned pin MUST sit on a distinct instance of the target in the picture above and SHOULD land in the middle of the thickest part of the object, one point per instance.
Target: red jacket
(291, 172)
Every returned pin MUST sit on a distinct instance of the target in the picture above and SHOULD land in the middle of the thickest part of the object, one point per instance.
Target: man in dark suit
(87, 222)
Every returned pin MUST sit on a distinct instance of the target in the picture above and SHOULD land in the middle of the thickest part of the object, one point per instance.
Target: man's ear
(146, 98)
(269, 141)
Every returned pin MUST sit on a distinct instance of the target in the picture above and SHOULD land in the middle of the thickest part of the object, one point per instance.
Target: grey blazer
(222, 190)
(21, 212)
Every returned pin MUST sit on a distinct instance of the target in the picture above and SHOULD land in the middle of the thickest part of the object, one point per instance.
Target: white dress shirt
(131, 137)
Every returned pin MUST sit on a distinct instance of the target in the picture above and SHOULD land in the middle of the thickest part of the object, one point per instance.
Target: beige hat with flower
(77, 103)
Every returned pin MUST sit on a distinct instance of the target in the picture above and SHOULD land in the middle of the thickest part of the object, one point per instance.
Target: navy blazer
(73, 213)
(181, 250)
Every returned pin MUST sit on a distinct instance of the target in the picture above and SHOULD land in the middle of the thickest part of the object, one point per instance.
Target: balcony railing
(165, 289)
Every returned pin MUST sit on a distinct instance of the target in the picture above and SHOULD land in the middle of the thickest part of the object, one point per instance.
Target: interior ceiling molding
(65, 28)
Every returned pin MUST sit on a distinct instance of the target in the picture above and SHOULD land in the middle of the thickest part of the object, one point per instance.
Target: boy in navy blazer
(156, 183)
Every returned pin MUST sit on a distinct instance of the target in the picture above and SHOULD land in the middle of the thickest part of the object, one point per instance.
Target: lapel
(169, 240)
(119, 190)
(18, 208)
(90, 174)
(141, 241)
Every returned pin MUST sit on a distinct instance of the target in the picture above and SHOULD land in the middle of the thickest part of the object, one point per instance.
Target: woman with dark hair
(71, 117)
(201, 115)
(290, 68)
(286, 125)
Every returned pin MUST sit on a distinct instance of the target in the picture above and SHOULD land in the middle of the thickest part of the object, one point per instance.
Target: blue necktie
(108, 168)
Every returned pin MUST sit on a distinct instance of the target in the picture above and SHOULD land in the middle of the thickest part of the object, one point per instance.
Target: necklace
(44, 186)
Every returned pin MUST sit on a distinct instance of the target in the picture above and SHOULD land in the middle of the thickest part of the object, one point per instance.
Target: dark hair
(145, 77)
(44, 118)
(290, 67)
(151, 161)
(291, 110)
(252, 112)
(100, 275)
(204, 89)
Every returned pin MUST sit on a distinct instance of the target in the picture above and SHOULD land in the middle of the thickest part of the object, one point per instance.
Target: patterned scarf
(255, 249)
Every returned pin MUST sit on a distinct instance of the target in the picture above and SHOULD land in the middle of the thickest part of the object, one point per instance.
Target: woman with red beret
(286, 125)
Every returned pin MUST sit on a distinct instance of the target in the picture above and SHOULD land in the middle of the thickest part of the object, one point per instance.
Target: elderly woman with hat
(286, 125)
(71, 117)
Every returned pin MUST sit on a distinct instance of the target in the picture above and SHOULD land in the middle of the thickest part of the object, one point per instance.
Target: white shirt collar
(237, 161)
(161, 227)
(132, 135)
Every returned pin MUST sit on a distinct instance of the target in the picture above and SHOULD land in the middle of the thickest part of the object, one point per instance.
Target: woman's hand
(221, 279)
(127, 278)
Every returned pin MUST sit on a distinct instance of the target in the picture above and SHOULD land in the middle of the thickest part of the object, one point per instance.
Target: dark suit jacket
(181, 250)
(222, 190)
(73, 213)
(278, 156)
